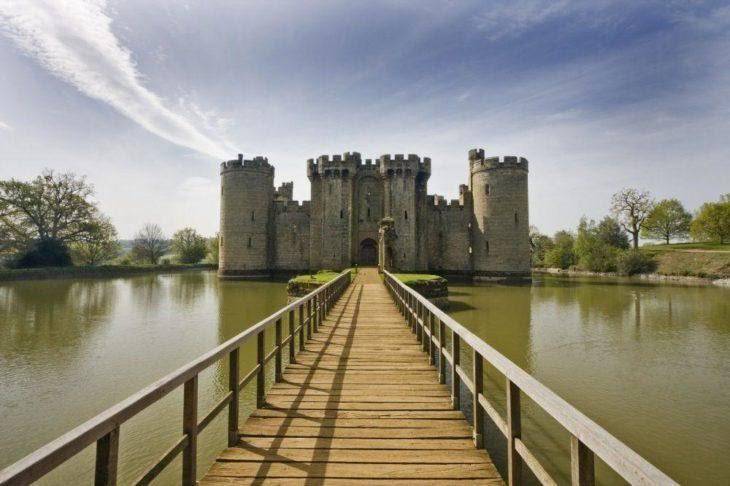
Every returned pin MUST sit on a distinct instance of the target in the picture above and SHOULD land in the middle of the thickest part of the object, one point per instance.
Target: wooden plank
(453, 456)
(354, 471)
(219, 481)
(362, 402)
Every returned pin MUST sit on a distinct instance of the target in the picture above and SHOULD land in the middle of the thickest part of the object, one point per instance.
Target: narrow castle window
(368, 213)
(486, 189)
(342, 213)
(249, 242)
(486, 246)
(517, 218)
(253, 215)
(221, 242)
(405, 214)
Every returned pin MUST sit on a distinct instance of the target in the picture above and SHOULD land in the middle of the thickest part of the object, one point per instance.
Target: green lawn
(409, 278)
(687, 246)
(321, 277)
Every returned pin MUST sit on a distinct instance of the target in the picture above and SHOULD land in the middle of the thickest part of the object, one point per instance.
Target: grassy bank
(693, 264)
(99, 271)
(301, 285)
(711, 247)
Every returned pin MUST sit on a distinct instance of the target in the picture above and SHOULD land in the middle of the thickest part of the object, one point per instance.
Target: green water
(71, 348)
(649, 363)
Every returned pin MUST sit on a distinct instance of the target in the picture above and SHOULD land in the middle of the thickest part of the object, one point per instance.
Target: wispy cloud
(511, 18)
(73, 40)
(5, 126)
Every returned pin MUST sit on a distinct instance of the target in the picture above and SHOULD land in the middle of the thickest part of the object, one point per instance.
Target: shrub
(45, 253)
(561, 255)
(592, 251)
(631, 262)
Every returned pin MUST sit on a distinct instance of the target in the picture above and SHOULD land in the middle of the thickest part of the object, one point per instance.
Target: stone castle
(375, 213)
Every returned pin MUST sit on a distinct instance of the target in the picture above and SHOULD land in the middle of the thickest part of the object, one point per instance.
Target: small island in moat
(433, 287)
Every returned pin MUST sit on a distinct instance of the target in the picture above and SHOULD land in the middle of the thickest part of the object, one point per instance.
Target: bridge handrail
(587, 437)
(104, 427)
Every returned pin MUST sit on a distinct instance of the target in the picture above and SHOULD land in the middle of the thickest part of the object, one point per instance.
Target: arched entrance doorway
(368, 252)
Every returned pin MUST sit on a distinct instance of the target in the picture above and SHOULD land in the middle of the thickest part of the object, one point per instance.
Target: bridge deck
(360, 404)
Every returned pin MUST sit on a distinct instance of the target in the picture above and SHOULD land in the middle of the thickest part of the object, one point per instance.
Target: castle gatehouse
(370, 212)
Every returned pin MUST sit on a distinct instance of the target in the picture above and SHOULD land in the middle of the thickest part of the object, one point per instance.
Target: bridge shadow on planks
(360, 404)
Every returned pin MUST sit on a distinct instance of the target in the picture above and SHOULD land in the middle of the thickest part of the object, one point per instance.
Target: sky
(145, 98)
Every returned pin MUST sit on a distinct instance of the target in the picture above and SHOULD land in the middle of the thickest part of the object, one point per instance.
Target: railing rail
(587, 437)
(104, 429)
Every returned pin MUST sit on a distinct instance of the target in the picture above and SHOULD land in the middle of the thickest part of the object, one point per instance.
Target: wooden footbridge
(363, 400)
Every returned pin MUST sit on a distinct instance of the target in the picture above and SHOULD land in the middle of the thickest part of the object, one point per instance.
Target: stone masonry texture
(483, 234)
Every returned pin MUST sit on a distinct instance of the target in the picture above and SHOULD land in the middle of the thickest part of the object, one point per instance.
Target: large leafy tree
(189, 246)
(631, 207)
(47, 213)
(149, 244)
(713, 221)
(668, 219)
(97, 246)
(610, 232)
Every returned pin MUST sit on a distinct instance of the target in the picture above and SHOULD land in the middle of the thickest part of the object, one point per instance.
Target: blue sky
(146, 97)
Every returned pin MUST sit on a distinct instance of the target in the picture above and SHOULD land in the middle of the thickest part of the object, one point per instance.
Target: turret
(247, 193)
(500, 227)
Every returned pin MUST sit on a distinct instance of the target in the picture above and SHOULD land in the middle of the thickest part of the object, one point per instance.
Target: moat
(647, 362)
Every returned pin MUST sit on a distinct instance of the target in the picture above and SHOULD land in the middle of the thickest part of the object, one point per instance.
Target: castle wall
(449, 238)
(291, 236)
(368, 207)
(500, 236)
(483, 233)
(247, 189)
(404, 182)
(331, 213)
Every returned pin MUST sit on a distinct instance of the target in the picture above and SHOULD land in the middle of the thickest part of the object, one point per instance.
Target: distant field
(687, 246)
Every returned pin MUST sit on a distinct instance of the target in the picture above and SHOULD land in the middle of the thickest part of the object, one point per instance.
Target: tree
(713, 221)
(189, 246)
(593, 253)
(48, 213)
(561, 255)
(668, 219)
(149, 244)
(98, 246)
(611, 233)
(540, 245)
(631, 207)
(214, 248)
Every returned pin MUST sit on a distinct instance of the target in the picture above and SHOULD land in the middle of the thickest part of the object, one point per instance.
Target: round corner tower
(500, 230)
(247, 192)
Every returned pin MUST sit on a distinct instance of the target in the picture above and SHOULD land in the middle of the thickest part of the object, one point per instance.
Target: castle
(375, 212)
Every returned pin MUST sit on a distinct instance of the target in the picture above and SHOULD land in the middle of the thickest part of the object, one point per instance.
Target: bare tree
(149, 244)
(631, 207)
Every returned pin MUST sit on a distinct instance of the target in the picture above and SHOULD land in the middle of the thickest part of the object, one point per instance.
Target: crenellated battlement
(285, 191)
(293, 206)
(478, 161)
(399, 164)
(257, 163)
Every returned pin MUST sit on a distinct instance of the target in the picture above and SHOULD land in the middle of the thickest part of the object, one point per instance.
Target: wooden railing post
(261, 375)
(442, 347)
(107, 459)
(233, 378)
(309, 319)
(292, 351)
(190, 430)
(301, 327)
(477, 411)
(277, 353)
(514, 429)
(582, 470)
(455, 378)
(431, 348)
